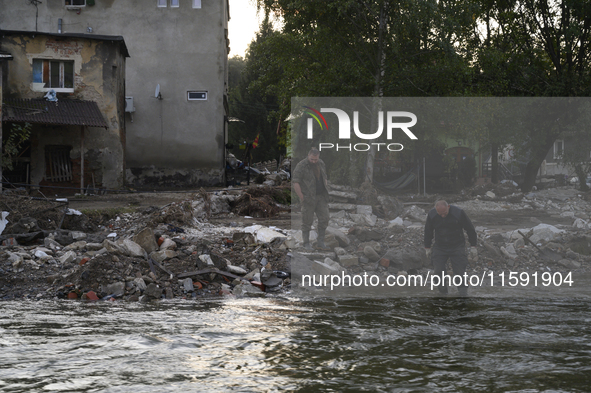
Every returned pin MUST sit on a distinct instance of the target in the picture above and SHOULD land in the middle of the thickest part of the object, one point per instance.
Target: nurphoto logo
(392, 120)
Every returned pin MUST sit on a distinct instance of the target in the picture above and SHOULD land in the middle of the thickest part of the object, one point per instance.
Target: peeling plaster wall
(99, 69)
(181, 49)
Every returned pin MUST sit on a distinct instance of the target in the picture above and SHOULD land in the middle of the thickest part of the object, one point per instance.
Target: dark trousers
(320, 207)
(459, 262)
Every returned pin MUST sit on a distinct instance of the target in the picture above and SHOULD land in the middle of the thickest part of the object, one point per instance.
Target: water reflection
(295, 344)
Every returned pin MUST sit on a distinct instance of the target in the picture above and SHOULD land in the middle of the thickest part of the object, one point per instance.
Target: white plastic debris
(73, 212)
(3, 221)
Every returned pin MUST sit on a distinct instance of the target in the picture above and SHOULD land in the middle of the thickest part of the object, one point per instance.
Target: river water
(296, 344)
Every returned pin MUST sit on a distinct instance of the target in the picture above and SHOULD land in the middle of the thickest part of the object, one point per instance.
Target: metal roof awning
(63, 112)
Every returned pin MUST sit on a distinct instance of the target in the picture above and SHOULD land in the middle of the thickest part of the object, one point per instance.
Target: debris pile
(203, 246)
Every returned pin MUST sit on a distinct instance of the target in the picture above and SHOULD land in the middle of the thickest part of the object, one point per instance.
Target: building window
(558, 149)
(196, 3)
(197, 95)
(162, 3)
(174, 3)
(75, 3)
(54, 74)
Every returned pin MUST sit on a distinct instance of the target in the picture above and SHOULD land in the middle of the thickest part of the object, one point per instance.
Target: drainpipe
(59, 26)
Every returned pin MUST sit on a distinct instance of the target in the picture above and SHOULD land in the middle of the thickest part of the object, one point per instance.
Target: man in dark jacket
(448, 223)
(310, 184)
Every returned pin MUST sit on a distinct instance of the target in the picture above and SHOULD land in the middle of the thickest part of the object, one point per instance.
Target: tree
(363, 48)
(254, 109)
(535, 48)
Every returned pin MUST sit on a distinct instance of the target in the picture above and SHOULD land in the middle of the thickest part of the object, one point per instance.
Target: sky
(243, 25)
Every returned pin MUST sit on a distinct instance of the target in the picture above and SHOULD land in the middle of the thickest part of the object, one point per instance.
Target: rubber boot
(306, 238)
(320, 241)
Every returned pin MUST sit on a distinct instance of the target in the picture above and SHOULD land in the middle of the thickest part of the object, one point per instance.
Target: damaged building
(68, 92)
(176, 82)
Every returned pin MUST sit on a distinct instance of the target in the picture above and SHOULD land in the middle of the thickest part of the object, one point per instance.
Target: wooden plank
(160, 266)
(210, 270)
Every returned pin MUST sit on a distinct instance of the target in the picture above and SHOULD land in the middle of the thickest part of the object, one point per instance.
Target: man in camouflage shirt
(310, 184)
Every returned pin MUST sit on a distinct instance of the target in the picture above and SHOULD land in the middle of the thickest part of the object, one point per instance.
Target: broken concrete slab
(146, 239)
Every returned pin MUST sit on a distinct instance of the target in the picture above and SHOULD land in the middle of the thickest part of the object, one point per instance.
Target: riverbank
(240, 242)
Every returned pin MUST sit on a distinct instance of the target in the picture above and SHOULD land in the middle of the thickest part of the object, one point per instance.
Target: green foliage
(254, 106)
(425, 48)
(282, 195)
(18, 134)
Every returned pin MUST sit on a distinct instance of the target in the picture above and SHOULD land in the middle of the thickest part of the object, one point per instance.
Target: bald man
(448, 223)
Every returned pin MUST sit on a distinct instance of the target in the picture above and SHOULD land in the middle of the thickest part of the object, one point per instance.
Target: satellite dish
(157, 92)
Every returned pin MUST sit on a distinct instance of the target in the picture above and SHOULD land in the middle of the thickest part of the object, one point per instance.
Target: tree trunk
(378, 92)
(582, 178)
(538, 155)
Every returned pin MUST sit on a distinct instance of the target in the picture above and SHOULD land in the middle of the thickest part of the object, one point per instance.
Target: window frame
(196, 4)
(162, 3)
(74, 6)
(49, 76)
(197, 91)
(173, 5)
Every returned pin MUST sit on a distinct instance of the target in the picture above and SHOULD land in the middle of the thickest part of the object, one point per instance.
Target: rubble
(204, 245)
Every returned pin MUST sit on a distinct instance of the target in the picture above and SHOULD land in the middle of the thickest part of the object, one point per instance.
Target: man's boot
(320, 241)
(306, 238)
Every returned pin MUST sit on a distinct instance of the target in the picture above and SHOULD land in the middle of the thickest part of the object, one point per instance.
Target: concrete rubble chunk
(509, 251)
(235, 269)
(146, 239)
(348, 260)
(188, 285)
(323, 268)
(93, 246)
(407, 259)
(132, 249)
(116, 289)
(339, 214)
(169, 293)
(397, 222)
(160, 256)
(68, 257)
(364, 209)
(168, 244)
(140, 284)
(247, 290)
(12, 257)
(371, 254)
(76, 235)
(416, 213)
(79, 245)
(205, 258)
(52, 244)
(243, 237)
(349, 207)
(42, 255)
(153, 291)
(491, 248)
(334, 264)
(273, 281)
(580, 224)
(250, 276)
(340, 251)
(364, 219)
(339, 236)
